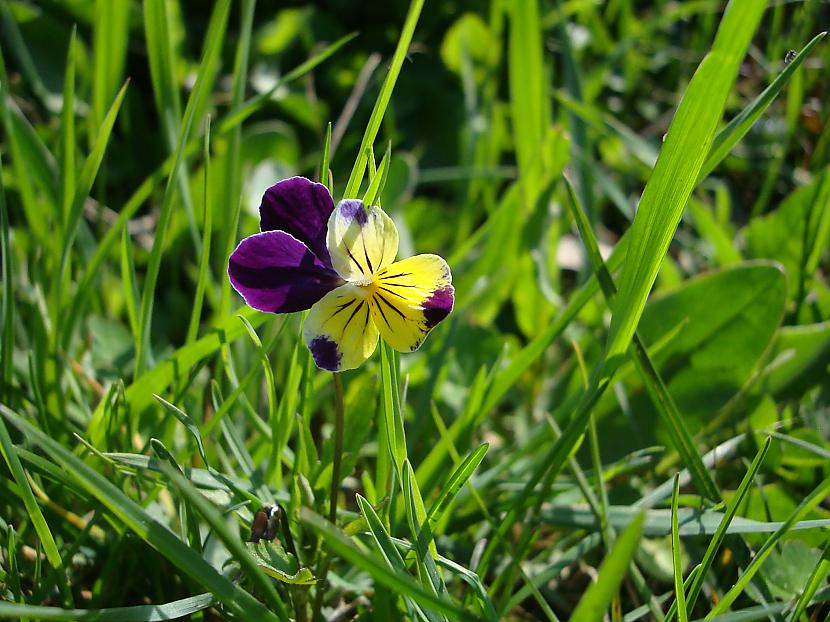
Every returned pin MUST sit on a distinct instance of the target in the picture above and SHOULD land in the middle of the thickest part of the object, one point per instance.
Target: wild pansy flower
(340, 263)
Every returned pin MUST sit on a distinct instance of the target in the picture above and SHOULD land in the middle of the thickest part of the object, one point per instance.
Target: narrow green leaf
(204, 259)
(657, 389)
(812, 500)
(456, 482)
(725, 524)
(386, 546)
(817, 579)
(85, 181)
(595, 600)
(737, 128)
(391, 408)
(230, 539)
(680, 595)
(400, 583)
(210, 57)
(139, 613)
(6, 358)
(372, 127)
(68, 133)
(33, 510)
(676, 171)
(145, 526)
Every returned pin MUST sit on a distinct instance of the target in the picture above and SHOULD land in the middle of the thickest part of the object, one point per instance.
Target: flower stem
(337, 458)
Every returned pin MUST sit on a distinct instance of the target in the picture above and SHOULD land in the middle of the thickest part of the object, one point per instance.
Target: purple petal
(300, 207)
(275, 272)
(438, 306)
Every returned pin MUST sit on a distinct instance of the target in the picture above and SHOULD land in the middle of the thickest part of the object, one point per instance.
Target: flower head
(340, 263)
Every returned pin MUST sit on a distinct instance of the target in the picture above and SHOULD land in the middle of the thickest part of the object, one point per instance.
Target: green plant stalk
(379, 110)
(337, 460)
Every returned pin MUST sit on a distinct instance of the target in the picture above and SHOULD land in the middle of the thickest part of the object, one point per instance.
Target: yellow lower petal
(339, 329)
(409, 298)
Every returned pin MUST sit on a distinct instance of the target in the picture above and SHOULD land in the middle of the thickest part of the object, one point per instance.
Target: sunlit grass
(634, 434)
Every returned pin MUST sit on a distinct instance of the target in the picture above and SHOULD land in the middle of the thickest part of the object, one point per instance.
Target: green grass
(625, 417)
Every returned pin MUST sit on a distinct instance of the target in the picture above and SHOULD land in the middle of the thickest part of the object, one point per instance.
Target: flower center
(366, 281)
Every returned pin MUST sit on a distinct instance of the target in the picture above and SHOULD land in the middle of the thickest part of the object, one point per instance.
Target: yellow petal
(409, 298)
(361, 240)
(339, 329)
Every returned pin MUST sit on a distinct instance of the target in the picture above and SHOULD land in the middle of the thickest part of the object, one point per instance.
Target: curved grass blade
(737, 128)
(400, 583)
(455, 482)
(134, 517)
(33, 510)
(675, 174)
(67, 140)
(204, 259)
(812, 500)
(6, 355)
(817, 578)
(387, 548)
(230, 539)
(231, 197)
(726, 521)
(140, 613)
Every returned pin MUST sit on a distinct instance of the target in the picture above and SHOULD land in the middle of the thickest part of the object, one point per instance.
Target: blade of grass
(387, 548)
(372, 127)
(680, 595)
(264, 585)
(231, 197)
(6, 355)
(138, 395)
(657, 390)
(400, 583)
(676, 171)
(595, 600)
(213, 48)
(817, 578)
(44, 534)
(737, 128)
(110, 32)
(812, 500)
(67, 141)
(455, 483)
(139, 613)
(728, 516)
(204, 259)
(134, 517)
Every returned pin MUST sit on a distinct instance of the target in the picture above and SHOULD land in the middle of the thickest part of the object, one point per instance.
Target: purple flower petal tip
(325, 353)
(300, 207)
(439, 305)
(353, 209)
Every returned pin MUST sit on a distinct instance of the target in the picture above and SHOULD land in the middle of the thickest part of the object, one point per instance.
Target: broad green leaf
(798, 360)
(797, 233)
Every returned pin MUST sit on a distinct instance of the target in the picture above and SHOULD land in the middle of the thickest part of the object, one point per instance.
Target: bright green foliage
(624, 418)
